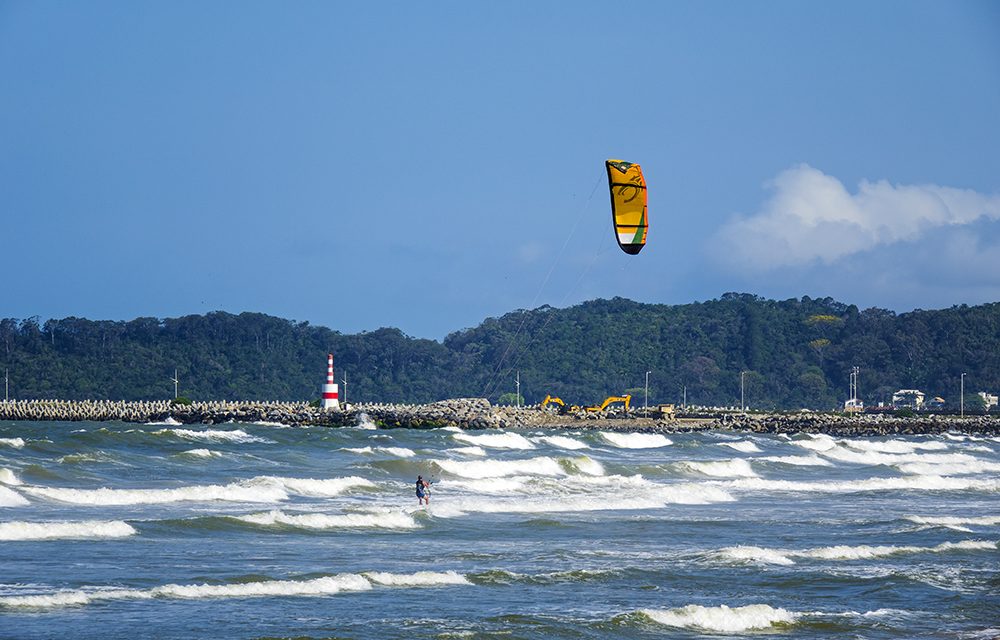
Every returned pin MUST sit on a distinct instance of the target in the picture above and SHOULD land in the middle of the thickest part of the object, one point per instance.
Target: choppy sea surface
(111, 530)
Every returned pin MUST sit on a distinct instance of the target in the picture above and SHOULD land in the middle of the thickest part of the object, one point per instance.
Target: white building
(989, 401)
(908, 398)
(854, 406)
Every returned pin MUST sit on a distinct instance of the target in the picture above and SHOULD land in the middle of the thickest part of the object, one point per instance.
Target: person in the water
(423, 491)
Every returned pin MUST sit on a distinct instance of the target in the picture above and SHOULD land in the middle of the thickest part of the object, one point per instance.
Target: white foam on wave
(956, 523)
(799, 461)
(734, 468)
(964, 467)
(170, 422)
(386, 520)
(215, 435)
(585, 465)
(9, 477)
(325, 586)
(316, 487)
(504, 440)
(563, 442)
(399, 452)
(417, 579)
(469, 451)
(905, 483)
(741, 445)
(479, 469)
(16, 443)
(497, 486)
(258, 489)
(865, 457)
(764, 555)
(815, 442)
(201, 453)
(636, 440)
(894, 446)
(605, 493)
(722, 619)
(62, 530)
(9, 498)
(268, 423)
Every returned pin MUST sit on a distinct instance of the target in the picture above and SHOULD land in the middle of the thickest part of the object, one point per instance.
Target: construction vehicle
(563, 408)
(666, 411)
(610, 399)
(550, 399)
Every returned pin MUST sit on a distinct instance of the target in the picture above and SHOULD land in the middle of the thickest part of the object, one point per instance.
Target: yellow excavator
(611, 399)
(552, 400)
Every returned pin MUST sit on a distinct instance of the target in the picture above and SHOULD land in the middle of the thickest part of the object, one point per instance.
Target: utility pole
(743, 404)
(645, 404)
(345, 386)
(961, 395)
(518, 382)
(6, 385)
(685, 402)
(854, 388)
(176, 381)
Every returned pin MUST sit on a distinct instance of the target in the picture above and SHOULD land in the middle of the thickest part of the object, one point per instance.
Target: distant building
(908, 399)
(854, 406)
(989, 401)
(936, 403)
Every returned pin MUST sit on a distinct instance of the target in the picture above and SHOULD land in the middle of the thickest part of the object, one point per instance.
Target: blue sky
(426, 165)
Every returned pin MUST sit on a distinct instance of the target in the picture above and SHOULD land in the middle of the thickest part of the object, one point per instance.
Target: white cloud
(812, 218)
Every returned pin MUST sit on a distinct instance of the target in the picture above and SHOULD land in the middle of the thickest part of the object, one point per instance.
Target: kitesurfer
(423, 491)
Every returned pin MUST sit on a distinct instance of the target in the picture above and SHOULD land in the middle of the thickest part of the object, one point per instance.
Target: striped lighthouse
(330, 400)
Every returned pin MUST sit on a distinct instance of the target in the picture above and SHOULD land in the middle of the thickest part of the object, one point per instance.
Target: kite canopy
(628, 204)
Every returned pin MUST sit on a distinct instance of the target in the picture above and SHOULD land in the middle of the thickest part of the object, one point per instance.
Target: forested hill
(796, 353)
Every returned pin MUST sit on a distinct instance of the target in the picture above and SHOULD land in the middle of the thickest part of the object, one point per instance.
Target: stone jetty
(479, 413)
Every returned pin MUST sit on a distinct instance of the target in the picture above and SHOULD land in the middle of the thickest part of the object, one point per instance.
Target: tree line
(795, 353)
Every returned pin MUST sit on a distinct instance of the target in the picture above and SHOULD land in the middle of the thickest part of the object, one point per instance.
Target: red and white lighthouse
(330, 400)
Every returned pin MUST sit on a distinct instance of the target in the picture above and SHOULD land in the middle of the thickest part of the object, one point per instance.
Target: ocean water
(111, 530)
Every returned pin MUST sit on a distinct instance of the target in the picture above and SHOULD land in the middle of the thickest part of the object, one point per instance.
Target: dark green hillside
(796, 353)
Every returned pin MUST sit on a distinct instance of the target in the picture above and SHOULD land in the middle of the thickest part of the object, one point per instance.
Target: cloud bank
(812, 219)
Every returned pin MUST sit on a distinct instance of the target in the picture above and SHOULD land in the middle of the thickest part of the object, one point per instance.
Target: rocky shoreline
(478, 413)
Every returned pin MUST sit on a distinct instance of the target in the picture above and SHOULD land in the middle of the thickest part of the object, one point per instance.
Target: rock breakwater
(479, 413)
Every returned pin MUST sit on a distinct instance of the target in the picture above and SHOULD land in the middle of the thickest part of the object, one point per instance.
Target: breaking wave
(742, 445)
(763, 555)
(9, 477)
(800, 461)
(325, 586)
(17, 443)
(636, 440)
(201, 453)
(469, 451)
(479, 469)
(10, 498)
(735, 468)
(387, 520)
(399, 452)
(563, 442)
(954, 522)
(215, 435)
(259, 489)
(496, 440)
(61, 530)
(905, 483)
(721, 619)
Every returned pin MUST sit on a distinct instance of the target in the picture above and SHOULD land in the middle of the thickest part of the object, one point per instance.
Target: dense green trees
(796, 353)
